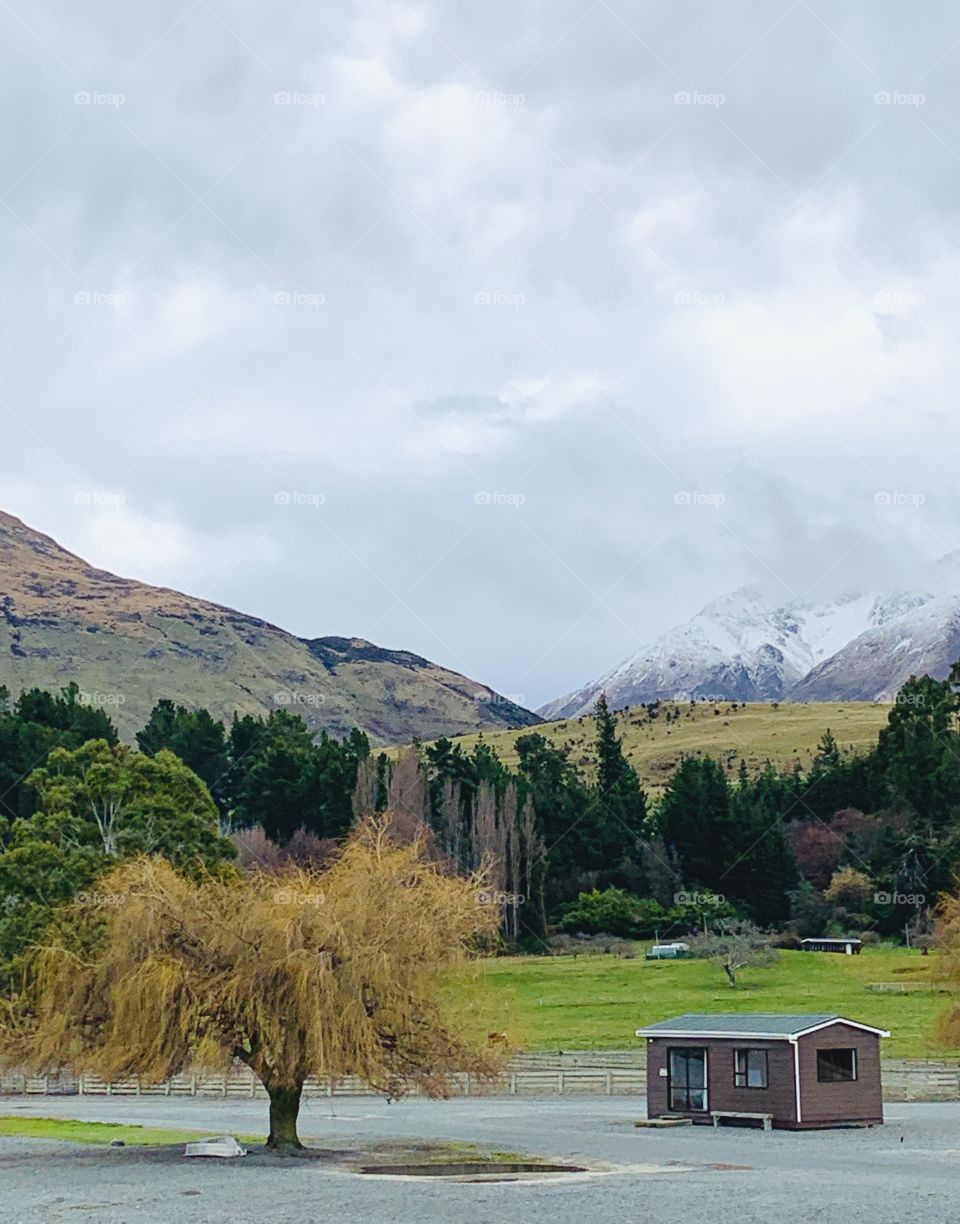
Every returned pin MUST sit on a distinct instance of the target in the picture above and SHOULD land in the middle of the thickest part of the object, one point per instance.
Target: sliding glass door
(687, 1082)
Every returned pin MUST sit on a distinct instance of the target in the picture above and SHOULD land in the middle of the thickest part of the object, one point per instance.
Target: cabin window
(750, 1068)
(836, 1066)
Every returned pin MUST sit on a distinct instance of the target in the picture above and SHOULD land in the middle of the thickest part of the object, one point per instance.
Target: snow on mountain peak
(745, 645)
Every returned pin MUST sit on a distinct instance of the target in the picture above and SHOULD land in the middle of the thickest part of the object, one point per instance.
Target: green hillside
(597, 1001)
(782, 732)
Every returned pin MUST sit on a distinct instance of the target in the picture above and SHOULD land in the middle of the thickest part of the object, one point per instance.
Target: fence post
(513, 1083)
(609, 1083)
(560, 1082)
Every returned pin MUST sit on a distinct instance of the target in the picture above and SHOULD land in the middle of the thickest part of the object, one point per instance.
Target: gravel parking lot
(908, 1170)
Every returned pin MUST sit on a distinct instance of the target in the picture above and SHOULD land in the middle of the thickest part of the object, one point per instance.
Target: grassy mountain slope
(783, 732)
(128, 644)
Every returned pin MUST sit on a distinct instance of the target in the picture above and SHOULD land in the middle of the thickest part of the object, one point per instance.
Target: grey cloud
(399, 255)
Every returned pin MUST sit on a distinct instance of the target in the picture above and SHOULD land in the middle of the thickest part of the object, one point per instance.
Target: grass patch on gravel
(392, 1152)
(71, 1130)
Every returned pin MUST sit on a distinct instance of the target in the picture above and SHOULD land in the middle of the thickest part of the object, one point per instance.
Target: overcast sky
(507, 332)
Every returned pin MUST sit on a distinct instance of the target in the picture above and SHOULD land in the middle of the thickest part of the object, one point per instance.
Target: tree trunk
(284, 1110)
(730, 974)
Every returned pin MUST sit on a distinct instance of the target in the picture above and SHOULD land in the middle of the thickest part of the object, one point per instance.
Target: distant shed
(852, 947)
(797, 1072)
(668, 951)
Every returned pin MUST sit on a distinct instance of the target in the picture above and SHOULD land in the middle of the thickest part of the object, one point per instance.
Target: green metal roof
(743, 1024)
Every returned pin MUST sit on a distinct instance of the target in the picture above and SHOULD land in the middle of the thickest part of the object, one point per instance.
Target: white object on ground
(224, 1146)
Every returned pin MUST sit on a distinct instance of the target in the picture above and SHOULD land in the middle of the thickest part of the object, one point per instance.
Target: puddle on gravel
(471, 1168)
(717, 1165)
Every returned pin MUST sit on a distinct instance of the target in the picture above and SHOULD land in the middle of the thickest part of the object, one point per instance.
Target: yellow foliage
(947, 937)
(295, 971)
(848, 887)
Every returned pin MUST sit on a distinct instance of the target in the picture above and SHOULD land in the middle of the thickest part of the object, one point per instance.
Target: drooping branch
(295, 972)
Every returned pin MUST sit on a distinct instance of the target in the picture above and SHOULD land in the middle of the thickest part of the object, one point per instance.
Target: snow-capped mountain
(860, 646)
(923, 640)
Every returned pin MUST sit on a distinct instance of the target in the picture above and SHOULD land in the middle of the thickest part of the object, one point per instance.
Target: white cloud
(759, 296)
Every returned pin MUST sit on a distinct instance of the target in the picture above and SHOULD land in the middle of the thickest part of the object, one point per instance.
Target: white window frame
(746, 1051)
(855, 1064)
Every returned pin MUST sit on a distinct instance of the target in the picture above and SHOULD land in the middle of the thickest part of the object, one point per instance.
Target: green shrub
(612, 912)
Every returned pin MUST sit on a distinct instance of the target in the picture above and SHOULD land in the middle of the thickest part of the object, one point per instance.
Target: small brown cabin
(797, 1072)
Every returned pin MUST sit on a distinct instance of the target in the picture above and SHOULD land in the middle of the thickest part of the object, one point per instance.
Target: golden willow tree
(946, 940)
(294, 972)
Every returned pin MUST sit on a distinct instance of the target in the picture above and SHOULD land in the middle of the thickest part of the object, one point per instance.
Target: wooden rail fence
(609, 1073)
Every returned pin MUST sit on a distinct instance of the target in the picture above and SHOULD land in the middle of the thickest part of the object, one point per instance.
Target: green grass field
(596, 1002)
(68, 1130)
(756, 732)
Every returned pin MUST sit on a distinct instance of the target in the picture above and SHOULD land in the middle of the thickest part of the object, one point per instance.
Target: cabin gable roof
(767, 1026)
